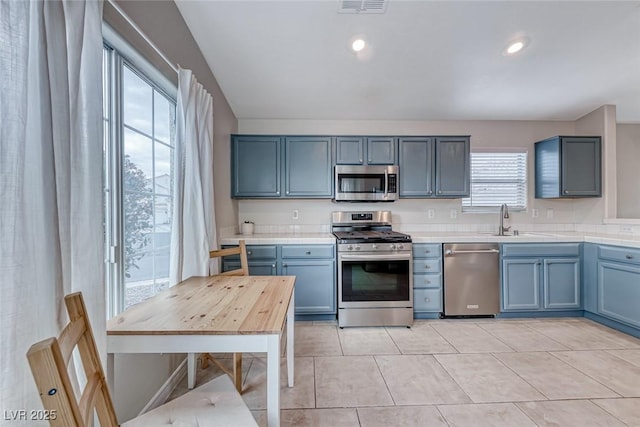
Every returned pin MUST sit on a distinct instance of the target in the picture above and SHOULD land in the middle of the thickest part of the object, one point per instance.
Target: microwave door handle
(386, 184)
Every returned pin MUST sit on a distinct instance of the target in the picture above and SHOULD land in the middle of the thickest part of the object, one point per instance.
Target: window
(497, 178)
(139, 145)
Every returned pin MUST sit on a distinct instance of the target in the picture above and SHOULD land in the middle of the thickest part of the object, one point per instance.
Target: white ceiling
(425, 60)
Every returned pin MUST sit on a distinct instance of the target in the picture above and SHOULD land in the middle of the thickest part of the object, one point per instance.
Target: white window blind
(497, 178)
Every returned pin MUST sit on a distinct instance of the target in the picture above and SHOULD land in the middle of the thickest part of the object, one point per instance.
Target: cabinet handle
(249, 252)
(629, 256)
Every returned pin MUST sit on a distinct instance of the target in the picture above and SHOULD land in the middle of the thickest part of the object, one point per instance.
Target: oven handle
(389, 257)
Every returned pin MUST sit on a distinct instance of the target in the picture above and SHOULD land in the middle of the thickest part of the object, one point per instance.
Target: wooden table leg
(237, 371)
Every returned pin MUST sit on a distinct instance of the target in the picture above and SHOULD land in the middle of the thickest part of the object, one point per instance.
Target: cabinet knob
(249, 252)
(308, 252)
(566, 191)
(273, 266)
(427, 266)
(427, 281)
(629, 256)
(285, 265)
(427, 300)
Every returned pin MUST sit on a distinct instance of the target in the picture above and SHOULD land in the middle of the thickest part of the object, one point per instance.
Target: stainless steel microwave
(366, 183)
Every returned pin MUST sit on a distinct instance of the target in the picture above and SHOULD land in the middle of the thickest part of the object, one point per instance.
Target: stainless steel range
(375, 271)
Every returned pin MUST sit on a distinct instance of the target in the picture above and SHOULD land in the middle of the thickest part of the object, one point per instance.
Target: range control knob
(374, 246)
(350, 248)
(357, 248)
(400, 247)
(393, 247)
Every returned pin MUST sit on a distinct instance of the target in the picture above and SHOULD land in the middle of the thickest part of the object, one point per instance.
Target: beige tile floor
(481, 372)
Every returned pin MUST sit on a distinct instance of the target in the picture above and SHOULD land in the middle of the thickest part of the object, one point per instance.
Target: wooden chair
(214, 403)
(241, 250)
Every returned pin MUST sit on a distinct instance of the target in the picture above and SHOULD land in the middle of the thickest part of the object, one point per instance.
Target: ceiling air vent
(362, 6)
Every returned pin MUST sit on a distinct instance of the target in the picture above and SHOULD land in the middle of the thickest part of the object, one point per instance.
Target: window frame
(467, 205)
(120, 55)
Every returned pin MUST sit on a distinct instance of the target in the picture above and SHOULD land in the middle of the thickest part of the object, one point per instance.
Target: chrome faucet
(504, 214)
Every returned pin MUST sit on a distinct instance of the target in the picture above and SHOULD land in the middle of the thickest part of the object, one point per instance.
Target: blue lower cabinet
(315, 269)
(315, 291)
(619, 292)
(427, 280)
(427, 300)
(256, 268)
(541, 282)
(562, 283)
(521, 284)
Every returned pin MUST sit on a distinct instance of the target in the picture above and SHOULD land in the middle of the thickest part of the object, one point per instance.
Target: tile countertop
(628, 240)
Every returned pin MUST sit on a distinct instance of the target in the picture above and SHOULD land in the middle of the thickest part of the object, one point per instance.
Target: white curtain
(50, 179)
(193, 231)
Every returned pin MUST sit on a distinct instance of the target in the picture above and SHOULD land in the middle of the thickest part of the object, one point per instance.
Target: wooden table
(216, 314)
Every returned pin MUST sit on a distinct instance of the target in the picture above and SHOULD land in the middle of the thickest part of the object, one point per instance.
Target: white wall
(628, 155)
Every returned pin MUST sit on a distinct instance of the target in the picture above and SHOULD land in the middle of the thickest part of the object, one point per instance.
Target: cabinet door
(416, 166)
(561, 283)
(350, 150)
(308, 167)
(315, 290)
(381, 150)
(590, 277)
(255, 168)
(453, 167)
(619, 292)
(256, 268)
(581, 167)
(521, 284)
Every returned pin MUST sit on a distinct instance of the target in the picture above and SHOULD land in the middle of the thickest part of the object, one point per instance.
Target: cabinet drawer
(427, 250)
(427, 280)
(621, 254)
(256, 252)
(427, 300)
(427, 265)
(308, 251)
(543, 250)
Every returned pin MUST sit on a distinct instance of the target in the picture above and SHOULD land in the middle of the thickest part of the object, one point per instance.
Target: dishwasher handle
(450, 252)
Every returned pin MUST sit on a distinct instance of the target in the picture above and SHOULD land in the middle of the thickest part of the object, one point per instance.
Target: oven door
(375, 280)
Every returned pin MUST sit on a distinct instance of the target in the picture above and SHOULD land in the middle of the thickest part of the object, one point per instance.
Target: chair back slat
(69, 337)
(241, 250)
(49, 365)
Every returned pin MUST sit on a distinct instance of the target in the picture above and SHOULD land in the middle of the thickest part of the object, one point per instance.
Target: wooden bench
(216, 403)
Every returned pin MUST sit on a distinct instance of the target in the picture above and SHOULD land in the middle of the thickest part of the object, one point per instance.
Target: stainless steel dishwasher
(471, 279)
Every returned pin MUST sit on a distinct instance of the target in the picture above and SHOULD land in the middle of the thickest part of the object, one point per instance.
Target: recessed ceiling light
(516, 46)
(358, 45)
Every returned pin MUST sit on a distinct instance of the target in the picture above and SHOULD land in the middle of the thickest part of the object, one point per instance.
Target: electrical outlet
(534, 213)
(296, 214)
(431, 213)
(626, 229)
(453, 213)
(549, 213)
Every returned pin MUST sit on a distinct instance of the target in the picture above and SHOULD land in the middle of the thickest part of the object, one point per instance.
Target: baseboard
(167, 388)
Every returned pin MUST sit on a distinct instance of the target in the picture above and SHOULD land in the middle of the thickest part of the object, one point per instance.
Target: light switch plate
(431, 213)
(534, 213)
(296, 214)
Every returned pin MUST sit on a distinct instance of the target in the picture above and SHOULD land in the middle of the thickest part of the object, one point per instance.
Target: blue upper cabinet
(255, 166)
(568, 166)
(416, 159)
(361, 150)
(350, 150)
(262, 165)
(453, 166)
(308, 166)
(434, 166)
